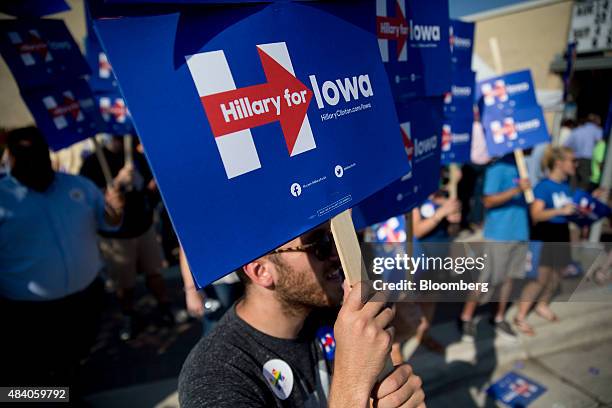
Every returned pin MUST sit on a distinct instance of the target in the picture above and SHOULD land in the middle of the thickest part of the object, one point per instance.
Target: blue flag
(40, 52)
(256, 127)
(420, 126)
(521, 129)
(66, 113)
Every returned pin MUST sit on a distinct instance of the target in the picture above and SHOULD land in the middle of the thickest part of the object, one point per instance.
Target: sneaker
(125, 331)
(503, 329)
(467, 330)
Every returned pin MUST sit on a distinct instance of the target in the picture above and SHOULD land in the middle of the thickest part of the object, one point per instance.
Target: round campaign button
(279, 377)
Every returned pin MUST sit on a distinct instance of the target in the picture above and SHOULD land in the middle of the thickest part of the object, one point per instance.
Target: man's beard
(297, 294)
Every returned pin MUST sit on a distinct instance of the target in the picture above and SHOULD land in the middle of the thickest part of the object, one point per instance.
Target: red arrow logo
(408, 145)
(283, 98)
(69, 105)
(34, 44)
(393, 28)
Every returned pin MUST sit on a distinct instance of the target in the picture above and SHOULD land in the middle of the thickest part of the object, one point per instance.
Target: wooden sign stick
(108, 177)
(519, 157)
(453, 180)
(128, 156)
(349, 251)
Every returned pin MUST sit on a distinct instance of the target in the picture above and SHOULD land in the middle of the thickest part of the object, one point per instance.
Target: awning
(559, 64)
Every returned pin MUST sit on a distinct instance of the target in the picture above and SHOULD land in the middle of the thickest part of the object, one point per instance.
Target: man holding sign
(279, 346)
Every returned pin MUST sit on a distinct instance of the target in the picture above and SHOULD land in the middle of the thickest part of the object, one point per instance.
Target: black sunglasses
(321, 248)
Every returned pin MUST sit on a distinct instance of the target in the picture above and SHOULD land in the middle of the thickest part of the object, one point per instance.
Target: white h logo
(212, 75)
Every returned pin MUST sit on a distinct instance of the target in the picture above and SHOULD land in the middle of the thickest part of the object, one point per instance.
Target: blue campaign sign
(102, 78)
(461, 44)
(522, 129)
(390, 231)
(275, 127)
(532, 260)
(114, 112)
(40, 52)
(588, 209)
(507, 92)
(413, 37)
(515, 390)
(66, 113)
(459, 100)
(420, 127)
(456, 139)
(32, 8)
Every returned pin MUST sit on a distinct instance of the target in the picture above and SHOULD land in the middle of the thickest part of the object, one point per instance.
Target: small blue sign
(325, 335)
(40, 52)
(456, 139)
(102, 78)
(65, 114)
(461, 44)
(515, 390)
(532, 260)
(522, 129)
(588, 209)
(389, 232)
(507, 92)
(413, 37)
(420, 126)
(115, 113)
(276, 128)
(459, 101)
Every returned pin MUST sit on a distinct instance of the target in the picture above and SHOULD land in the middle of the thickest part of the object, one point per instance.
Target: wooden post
(453, 180)
(519, 157)
(108, 177)
(349, 251)
(128, 156)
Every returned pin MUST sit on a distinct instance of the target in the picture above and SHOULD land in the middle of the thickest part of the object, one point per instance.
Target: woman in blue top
(430, 224)
(553, 203)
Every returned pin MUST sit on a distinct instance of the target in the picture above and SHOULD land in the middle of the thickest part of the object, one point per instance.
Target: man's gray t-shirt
(238, 366)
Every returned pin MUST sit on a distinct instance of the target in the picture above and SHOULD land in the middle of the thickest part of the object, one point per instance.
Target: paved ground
(571, 358)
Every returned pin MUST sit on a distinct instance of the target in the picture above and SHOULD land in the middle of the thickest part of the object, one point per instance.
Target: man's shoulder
(74, 180)
(219, 362)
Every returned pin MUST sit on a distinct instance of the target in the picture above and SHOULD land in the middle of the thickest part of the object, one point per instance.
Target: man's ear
(260, 272)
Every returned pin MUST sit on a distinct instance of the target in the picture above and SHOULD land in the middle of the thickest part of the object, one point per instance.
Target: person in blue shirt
(506, 230)
(553, 204)
(50, 297)
(430, 223)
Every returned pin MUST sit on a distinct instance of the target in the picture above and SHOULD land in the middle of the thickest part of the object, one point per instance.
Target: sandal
(545, 313)
(524, 327)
